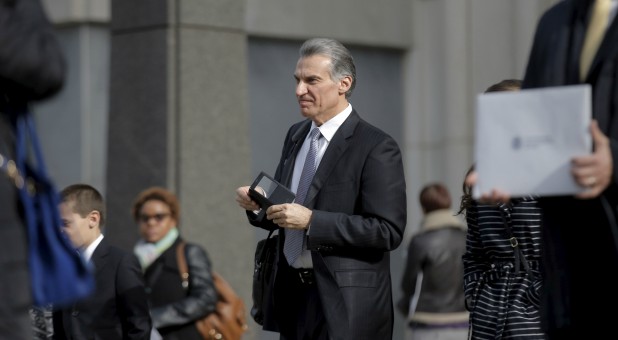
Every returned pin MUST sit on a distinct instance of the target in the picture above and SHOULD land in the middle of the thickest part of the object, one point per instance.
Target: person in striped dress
(502, 281)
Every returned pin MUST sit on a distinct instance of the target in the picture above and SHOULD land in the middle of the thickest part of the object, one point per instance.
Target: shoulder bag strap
(520, 258)
(183, 269)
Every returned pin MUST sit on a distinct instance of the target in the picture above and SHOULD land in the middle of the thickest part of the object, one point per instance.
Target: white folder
(525, 140)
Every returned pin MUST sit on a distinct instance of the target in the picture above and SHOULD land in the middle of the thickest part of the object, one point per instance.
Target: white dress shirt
(328, 130)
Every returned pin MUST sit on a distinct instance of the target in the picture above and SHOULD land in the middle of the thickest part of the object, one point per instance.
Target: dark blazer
(577, 233)
(358, 198)
(117, 309)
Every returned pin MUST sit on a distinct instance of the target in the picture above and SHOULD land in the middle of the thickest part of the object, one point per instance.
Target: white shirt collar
(329, 128)
(87, 253)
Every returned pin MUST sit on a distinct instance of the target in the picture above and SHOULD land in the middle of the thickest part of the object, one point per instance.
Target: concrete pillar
(179, 119)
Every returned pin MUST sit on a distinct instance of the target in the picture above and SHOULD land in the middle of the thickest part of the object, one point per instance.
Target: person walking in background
(433, 297)
(174, 307)
(332, 276)
(118, 308)
(502, 262)
(32, 68)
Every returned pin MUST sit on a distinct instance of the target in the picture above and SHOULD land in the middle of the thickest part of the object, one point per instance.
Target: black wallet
(266, 191)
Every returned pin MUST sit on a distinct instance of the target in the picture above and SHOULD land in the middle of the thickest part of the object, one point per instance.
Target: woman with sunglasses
(174, 307)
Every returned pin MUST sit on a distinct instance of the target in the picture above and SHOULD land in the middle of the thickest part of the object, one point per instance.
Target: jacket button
(75, 313)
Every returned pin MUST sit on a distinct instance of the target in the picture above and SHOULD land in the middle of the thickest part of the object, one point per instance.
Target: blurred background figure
(432, 284)
(117, 309)
(575, 43)
(32, 68)
(501, 263)
(174, 307)
(42, 322)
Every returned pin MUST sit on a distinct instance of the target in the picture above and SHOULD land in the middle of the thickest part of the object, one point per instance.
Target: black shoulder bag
(265, 254)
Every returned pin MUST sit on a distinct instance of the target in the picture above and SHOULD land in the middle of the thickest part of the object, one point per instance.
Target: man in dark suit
(335, 283)
(579, 238)
(118, 308)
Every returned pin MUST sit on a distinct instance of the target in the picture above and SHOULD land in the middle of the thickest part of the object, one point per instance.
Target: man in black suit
(118, 308)
(338, 284)
(580, 235)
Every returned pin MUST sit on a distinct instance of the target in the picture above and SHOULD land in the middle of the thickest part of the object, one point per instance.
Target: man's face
(320, 97)
(80, 230)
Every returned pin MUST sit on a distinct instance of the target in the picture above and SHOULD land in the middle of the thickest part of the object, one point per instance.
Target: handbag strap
(263, 250)
(26, 136)
(183, 269)
(520, 258)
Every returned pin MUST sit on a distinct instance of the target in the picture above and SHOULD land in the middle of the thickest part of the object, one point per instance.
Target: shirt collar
(87, 253)
(329, 128)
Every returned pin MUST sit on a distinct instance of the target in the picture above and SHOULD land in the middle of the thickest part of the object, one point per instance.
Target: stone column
(179, 119)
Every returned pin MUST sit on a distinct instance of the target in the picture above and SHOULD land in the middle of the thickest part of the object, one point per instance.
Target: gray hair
(341, 60)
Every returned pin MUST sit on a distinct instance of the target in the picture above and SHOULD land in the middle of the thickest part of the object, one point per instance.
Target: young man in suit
(118, 308)
(580, 234)
(332, 280)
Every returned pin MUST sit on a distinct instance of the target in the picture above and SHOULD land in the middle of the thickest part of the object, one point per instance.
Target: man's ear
(344, 84)
(94, 219)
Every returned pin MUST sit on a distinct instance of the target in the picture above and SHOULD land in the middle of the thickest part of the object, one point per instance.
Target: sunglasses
(157, 217)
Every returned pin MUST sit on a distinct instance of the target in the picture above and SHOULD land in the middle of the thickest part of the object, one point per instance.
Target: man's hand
(289, 215)
(594, 171)
(244, 201)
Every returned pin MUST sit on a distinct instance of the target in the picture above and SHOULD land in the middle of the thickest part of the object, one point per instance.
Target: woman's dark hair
(504, 85)
(158, 194)
(466, 198)
(434, 196)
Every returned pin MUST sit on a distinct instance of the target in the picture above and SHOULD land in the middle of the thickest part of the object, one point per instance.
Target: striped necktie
(294, 238)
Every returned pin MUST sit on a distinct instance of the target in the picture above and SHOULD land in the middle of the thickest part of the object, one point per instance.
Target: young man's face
(80, 230)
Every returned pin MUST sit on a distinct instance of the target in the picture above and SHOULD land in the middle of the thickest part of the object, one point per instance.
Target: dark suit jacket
(578, 233)
(118, 308)
(358, 198)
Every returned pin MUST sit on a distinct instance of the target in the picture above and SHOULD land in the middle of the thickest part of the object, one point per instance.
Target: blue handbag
(58, 274)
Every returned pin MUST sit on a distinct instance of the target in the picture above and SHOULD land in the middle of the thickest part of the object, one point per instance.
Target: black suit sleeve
(131, 299)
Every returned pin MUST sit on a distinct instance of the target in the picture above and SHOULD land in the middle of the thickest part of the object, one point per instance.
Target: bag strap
(520, 258)
(183, 269)
(263, 250)
(26, 136)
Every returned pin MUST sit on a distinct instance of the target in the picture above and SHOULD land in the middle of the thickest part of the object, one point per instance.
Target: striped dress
(502, 281)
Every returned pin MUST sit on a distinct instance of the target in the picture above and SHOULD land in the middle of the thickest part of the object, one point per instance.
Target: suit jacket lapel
(577, 21)
(296, 142)
(338, 145)
(99, 255)
(608, 48)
